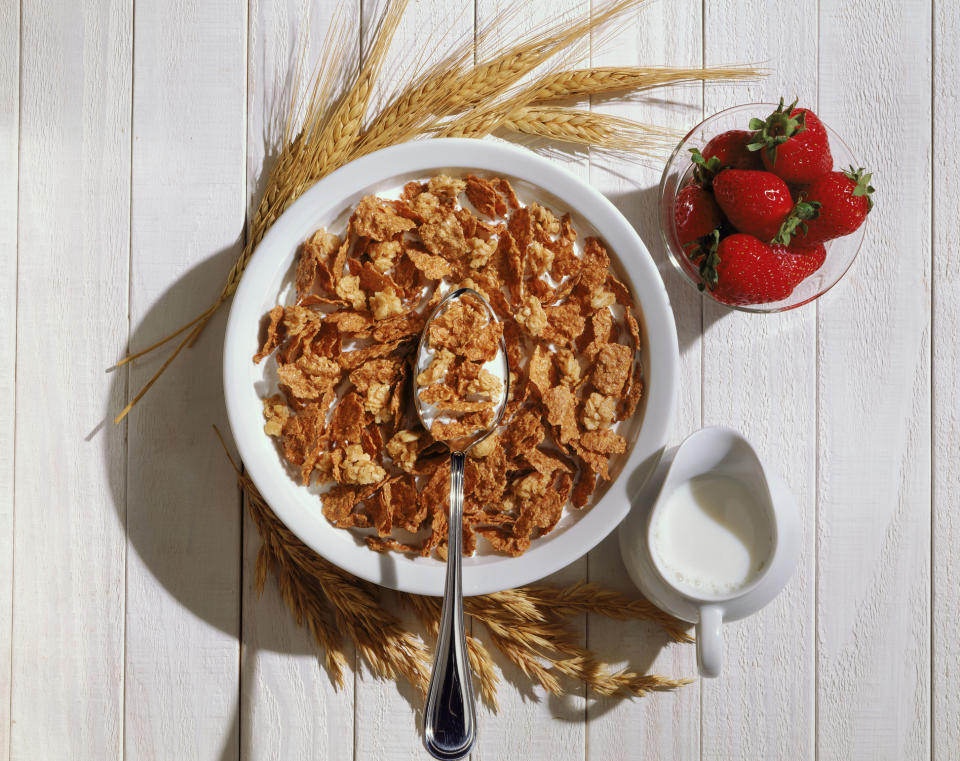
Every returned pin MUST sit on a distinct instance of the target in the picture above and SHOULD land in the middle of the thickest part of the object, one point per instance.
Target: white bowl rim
(554, 551)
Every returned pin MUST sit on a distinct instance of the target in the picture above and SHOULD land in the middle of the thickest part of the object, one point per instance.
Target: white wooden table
(132, 137)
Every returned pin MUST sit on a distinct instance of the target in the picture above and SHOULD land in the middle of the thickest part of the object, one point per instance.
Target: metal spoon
(449, 717)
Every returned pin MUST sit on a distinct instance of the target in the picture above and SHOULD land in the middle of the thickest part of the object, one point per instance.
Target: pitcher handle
(710, 641)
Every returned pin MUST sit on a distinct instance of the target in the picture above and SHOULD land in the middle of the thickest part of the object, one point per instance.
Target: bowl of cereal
(321, 339)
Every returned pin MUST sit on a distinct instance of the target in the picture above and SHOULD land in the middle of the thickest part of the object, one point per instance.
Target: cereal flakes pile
(345, 354)
(461, 395)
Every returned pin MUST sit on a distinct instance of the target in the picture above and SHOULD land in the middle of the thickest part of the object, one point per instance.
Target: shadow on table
(640, 207)
(177, 497)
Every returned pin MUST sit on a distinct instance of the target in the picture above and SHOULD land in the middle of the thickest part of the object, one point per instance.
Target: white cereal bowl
(266, 283)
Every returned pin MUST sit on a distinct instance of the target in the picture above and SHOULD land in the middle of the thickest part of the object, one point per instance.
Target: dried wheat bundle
(337, 120)
(534, 627)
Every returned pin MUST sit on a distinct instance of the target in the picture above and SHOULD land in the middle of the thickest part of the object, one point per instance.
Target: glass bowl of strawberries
(762, 207)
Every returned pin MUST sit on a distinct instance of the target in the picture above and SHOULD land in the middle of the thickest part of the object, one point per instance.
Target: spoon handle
(449, 718)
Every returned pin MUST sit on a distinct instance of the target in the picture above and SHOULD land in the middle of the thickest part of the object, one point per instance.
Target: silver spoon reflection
(449, 717)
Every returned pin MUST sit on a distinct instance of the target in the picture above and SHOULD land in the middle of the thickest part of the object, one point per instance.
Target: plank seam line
(816, 484)
(16, 334)
(126, 390)
(241, 555)
(933, 386)
(703, 114)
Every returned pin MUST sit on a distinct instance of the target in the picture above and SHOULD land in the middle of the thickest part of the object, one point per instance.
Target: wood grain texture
(289, 709)
(759, 376)
(9, 150)
(873, 528)
(945, 546)
(183, 507)
(68, 584)
(659, 726)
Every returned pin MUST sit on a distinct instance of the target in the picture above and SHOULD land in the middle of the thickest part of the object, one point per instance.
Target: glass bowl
(679, 171)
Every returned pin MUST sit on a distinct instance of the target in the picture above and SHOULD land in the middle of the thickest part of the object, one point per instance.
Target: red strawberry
(742, 269)
(730, 149)
(696, 214)
(793, 144)
(756, 203)
(844, 200)
(797, 264)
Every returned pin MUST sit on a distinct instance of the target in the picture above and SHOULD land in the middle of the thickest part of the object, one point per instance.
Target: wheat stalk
(588, 128)
(607, 80)
(453, 88)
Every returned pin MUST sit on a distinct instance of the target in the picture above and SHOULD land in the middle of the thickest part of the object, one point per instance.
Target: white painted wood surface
(128, 623)
(188, 193)
(945, 402)
(73, 228)
(9, 145)
(873, 386)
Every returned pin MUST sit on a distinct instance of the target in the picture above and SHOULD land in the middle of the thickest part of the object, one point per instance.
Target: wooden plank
(183, 508)
(388, 715)
(946, 398)
(9, 150)
(532, 724)
(759, 376)
(289, 707)
(873, 628)
(69, 547)
(659, 726)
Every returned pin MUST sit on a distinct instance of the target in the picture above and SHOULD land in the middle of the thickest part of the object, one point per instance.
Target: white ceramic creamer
(713, 536)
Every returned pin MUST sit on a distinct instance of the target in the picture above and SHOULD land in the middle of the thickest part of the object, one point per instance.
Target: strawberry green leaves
(776, 129)
(797, 220)
(705, 169)
(703, 253)
(863, 188)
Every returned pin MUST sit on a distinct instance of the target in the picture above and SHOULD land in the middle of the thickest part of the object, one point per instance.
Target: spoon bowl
(425, 356)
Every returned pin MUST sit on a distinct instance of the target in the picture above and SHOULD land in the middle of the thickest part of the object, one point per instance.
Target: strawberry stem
(796, 220)
(704, 249)
(863, 188)
(776, 129)
(706, 169)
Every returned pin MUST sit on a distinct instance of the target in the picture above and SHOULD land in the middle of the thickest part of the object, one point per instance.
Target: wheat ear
(588, 128)
(606, 80)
